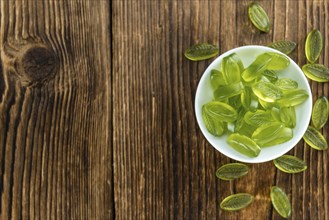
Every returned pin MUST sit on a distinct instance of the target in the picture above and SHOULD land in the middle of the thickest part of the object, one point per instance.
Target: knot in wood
(37, 63)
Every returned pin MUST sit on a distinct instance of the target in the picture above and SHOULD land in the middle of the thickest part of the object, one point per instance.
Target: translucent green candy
(232, 171)
(320, 112)
(293, 97)
(313, 46)
(201, 52)
(263, 62)
(286, 84)
(245, 129)
(316, 72)
(271, 134)
(288, 116)
(315, 139)
(267, 105)
(266, 91)
(243, 145)
(236, 201)
(281, 202)
(220, 110)
(237, 59)
(258, 17)
(275, 112)
(256, 68)
(235, 102)
(229, 90)
(214, 125)
(258, 117)
(285, 47)
(217, 79)
(290, 164)
(249, 100)
(232, 68)
(239, 121)
(271, 75)
(278, 61)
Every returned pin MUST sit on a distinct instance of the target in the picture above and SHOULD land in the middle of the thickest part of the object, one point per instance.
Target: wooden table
(97, 110)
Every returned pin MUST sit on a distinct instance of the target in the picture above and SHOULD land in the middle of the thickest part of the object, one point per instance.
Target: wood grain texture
(163, 166)
(55, 110)
(97, 110)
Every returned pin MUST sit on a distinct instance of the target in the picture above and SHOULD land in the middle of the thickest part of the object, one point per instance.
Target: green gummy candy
(243, 145)
(221, 110)
(293, 97)
(271, 134)
(266, 91)
(232, 68)
(217, 79)
(228, 91)
(256, 68)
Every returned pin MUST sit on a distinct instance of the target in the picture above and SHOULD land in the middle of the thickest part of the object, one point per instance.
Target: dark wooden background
(97, 118)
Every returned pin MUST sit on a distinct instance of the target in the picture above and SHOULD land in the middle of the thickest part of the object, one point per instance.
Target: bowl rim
(199, 116)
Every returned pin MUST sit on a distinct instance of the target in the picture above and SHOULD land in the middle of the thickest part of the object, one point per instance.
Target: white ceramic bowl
(204, 94)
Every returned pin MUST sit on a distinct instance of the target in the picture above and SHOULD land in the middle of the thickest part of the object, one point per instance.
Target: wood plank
(318, 186)
(158, 103)
(55, 110)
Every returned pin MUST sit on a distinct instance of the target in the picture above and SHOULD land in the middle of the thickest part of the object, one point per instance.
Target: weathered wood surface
(55, 110)
(97, 110)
